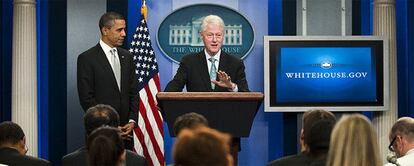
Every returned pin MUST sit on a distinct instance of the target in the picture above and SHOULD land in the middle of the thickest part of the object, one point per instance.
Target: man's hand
(224, 80)
(126, 130)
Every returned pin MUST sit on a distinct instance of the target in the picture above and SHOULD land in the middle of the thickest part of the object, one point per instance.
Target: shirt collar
(105, 47)
(215, 56)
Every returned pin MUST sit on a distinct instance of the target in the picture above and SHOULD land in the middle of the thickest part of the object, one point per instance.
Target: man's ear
(302, 141)
(104, 31)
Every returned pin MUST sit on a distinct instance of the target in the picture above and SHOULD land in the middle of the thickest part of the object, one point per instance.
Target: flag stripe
(138, 135)
(154, 108)
(148, 126)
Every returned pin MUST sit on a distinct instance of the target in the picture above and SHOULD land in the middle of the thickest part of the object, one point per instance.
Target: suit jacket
(97, 83)
(298, 160)
(10, 156)
(193, 72)
(79, 158)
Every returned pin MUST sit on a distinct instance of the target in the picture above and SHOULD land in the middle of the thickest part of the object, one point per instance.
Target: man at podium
(211, 70)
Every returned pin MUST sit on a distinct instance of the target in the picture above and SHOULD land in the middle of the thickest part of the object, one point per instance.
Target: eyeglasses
(391, 146)
(210, 36)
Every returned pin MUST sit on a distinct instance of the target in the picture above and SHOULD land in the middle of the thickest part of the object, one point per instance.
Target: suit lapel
(205, 74)
(222, 65)
(106, 65)
(124, 74)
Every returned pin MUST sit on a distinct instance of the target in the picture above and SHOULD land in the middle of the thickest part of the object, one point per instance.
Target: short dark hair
(319, 136)
(100, 115)
(189, 120)
(315, 119)
(105, 146)
(10, 132)
(107, 19)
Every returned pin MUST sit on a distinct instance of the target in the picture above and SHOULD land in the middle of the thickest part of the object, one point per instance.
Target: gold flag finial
(144, 9)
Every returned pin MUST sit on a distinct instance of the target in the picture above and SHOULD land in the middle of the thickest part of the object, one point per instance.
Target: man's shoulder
(191, 57)
(133, 158)
(12, 157)
(78, 156)
(291, 160)
(123, 51)
(90, 52)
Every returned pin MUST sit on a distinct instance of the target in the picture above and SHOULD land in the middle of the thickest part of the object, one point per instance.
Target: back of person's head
(318, 138)
(402, 132)
(404, 127)
(353, 142)
(100, 115)
(105, 147)
(189, 121)
(202, 147)
(107, 19)
(12, 135)
(309, 119)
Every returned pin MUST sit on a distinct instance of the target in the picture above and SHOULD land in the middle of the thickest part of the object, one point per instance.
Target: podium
(230, 112)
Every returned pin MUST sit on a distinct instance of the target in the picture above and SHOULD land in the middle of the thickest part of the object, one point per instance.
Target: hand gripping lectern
(230, 112)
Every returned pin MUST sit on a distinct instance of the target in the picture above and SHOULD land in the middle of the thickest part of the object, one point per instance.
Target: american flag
(149, 136)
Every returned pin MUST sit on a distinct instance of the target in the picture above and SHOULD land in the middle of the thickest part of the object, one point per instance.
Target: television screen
(334, 73)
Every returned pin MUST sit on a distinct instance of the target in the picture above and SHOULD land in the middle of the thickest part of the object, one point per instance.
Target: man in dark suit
(95, 117)
(105, 75)
(13, 146)
(199, 73)
(315, 136)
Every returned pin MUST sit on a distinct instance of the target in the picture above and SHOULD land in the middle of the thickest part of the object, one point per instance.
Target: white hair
(211, 19)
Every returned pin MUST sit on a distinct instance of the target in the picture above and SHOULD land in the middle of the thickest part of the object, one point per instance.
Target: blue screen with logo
(325, 75)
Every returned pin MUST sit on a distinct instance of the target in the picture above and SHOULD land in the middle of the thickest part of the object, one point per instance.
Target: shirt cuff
(234, 88)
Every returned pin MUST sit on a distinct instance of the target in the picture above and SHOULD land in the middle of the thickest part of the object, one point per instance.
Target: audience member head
(320, 141)
(100, 115)
(202, 147)
(105, 147)
(353, 142)
(12, 136)
(402, 136)
(318, 137)
(190, 120)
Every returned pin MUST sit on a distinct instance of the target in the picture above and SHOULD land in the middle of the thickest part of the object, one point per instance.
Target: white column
(24, 80)
(384, 25)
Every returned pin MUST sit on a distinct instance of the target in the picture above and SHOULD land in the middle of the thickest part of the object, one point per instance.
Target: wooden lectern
(230, 112)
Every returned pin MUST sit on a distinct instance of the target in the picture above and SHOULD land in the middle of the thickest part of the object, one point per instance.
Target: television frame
(340, 108)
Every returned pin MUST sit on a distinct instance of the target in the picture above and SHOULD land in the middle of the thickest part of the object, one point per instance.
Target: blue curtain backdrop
(273, 134)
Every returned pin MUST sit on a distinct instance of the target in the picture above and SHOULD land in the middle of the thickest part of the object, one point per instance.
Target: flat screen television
(337, 73)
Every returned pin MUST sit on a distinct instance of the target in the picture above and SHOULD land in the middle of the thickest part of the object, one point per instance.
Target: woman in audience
(353, 142)
(202, 147)
(105, 147)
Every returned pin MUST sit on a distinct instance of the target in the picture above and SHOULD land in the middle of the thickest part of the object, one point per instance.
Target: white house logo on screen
(178, 34)
(326, 65)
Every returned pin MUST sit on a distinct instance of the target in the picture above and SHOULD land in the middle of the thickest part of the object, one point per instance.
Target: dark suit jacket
(97, 83)
(79, 158)
(193, 72)
(10, 156)
(297, 160)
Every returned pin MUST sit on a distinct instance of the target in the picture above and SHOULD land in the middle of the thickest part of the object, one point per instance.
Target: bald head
(404, 127)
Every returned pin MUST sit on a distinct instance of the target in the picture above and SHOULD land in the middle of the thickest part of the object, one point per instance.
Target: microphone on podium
(392, 159)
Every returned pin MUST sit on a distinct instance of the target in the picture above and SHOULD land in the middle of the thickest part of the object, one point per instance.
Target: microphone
(392, 159)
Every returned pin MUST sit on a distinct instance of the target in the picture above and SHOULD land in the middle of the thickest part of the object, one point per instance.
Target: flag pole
(144, 9)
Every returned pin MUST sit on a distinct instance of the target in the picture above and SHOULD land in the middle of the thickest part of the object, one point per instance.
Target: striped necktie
(213, 71)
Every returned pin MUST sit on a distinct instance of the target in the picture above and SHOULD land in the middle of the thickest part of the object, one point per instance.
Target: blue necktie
(213, 71)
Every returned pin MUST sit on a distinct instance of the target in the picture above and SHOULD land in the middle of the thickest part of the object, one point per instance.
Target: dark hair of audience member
(100, 115)
(309, 119)
(189, 121)
(105, 147)
(202, 147)
(353, 142)
(10, 133)
(318, 138)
